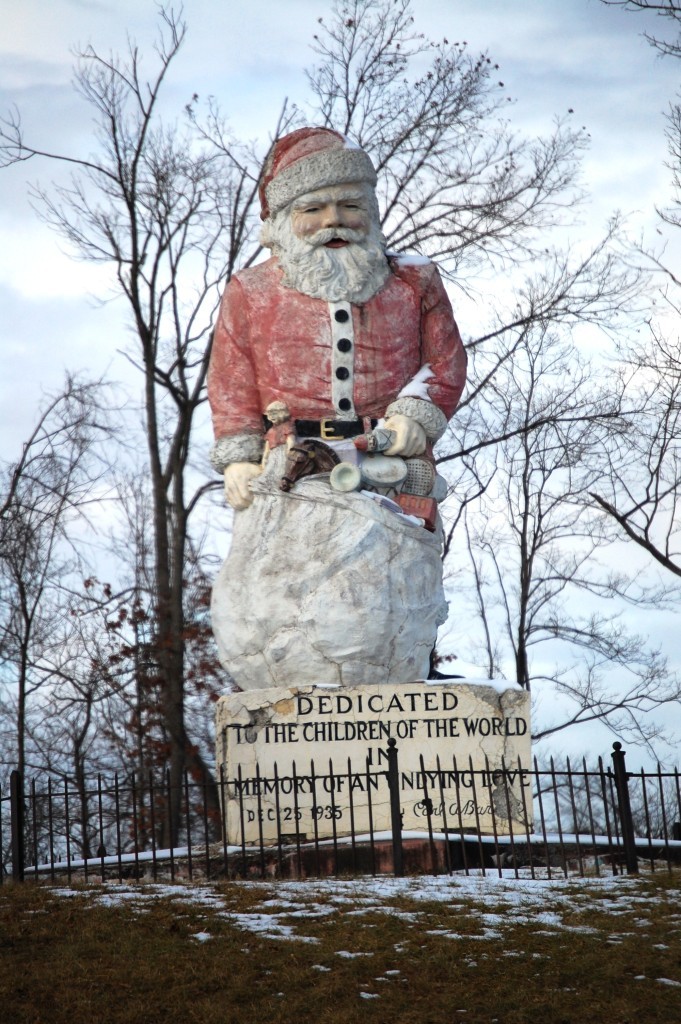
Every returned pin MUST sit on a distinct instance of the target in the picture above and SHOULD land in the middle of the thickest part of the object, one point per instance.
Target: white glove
(410, 436)
(238, 476)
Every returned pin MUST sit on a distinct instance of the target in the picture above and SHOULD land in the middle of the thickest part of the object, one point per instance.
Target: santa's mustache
(325, 235)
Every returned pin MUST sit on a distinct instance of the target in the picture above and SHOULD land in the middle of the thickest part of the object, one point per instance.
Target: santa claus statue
(323, 355)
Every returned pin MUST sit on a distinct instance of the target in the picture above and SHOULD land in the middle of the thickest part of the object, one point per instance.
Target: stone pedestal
(310, 762)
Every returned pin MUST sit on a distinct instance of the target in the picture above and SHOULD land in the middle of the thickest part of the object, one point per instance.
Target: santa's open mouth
(336, 243)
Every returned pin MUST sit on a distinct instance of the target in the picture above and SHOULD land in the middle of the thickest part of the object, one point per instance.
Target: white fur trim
(237, 448)
(320, 170)
(432, 419)
(411, 260)
(418, 386)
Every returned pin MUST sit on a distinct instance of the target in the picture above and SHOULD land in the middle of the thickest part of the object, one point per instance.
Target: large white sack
(324, 587)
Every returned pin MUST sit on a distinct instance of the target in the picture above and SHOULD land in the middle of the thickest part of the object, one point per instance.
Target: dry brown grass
(71, 959)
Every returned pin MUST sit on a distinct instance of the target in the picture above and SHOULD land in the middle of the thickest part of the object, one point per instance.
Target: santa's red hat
(308, 159)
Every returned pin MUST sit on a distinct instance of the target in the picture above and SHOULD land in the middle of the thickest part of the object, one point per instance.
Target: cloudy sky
(554, 55)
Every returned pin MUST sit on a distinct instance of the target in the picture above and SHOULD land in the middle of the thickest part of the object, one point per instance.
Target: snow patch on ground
(494, 904)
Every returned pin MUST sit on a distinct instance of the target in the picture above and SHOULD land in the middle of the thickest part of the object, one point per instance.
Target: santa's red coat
(274, 343)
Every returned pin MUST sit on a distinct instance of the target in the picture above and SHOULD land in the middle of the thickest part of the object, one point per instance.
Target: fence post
(395, 810)
(626, 820)
(16, 802)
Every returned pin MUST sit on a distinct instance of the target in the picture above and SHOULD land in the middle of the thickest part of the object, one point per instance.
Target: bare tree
(455, 183)
(542, 596)
(669, 9)
(640, 493)
(45, 499)
(173, 218)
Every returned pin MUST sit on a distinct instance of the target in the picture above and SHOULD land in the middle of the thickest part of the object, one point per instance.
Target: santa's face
(329, 244)
(339, 206)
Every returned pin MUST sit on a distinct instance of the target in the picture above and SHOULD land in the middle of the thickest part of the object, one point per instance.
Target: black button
(344, 404)
(342, 316)
(342, 373)
(344, 345)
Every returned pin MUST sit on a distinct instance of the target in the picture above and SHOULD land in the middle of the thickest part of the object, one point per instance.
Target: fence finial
(624, 806)
(393, 777)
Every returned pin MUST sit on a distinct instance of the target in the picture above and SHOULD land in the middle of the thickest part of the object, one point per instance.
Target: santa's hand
(410, 437)
(238, 476)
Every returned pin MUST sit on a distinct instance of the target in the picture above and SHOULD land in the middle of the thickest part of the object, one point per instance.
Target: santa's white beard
(351, 273)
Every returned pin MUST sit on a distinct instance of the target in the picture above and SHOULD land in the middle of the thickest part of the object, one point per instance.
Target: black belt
(328, 429)
(331, 430)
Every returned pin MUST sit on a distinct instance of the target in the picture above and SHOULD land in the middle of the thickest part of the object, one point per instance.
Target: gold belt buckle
(326, 431)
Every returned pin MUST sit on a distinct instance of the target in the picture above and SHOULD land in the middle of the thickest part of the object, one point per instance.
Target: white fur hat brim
(319, 170)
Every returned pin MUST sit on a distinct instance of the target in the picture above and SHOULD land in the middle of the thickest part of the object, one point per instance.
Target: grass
(422, 950)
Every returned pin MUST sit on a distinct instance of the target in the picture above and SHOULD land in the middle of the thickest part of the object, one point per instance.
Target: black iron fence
(543, 821)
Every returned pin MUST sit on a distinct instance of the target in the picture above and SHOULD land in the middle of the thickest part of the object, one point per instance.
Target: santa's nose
(332, 217)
